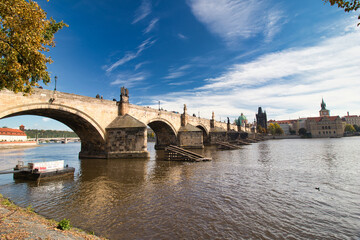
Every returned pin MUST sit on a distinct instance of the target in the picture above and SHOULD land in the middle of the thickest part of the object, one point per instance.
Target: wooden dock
(174, 153)
(242, 142)
(227, 146)
(250, 140)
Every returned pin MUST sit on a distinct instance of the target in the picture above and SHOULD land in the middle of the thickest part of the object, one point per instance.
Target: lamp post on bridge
(55, 82)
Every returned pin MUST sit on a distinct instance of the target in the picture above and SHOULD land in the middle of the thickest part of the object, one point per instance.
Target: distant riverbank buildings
(351, 119)
(319, 127)
(12, 135)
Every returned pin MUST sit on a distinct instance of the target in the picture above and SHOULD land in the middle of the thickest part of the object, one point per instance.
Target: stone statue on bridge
(124, 92)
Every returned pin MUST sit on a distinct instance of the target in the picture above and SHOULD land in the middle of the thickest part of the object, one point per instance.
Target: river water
(266, 190)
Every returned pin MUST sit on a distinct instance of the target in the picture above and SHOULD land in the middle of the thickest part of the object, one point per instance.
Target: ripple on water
(262, 191)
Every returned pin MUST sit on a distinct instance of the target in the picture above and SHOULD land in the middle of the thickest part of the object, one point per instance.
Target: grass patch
(30, 208)
(64, 224)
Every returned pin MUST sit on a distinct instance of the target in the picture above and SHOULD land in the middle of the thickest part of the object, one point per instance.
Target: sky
(226, 56)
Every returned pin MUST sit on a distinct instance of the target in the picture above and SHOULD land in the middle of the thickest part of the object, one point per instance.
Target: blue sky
(226, 56)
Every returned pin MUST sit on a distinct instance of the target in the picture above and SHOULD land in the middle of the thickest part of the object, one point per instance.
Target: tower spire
(324, 111)
(323, 104)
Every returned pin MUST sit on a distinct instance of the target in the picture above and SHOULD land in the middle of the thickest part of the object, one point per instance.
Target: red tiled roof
(350, 116)
(283, 121)
(318, 119)
(12, 132)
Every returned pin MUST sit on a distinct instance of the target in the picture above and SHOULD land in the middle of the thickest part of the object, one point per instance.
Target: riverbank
(24, 223)
(9, 145)
(269, 137)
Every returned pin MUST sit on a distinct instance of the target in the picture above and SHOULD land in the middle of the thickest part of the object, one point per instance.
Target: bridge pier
(216, 134)
(92, 150)
(126, 137)
(189, 136)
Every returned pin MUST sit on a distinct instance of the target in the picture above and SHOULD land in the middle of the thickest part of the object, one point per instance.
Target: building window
(319, 133)
(322, 127)
(329, 127)
(334, 132)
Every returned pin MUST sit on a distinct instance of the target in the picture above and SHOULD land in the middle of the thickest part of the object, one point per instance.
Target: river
(266, 190)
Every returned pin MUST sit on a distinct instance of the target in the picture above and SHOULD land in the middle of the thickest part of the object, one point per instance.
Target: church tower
(261, 118)
(324, 112)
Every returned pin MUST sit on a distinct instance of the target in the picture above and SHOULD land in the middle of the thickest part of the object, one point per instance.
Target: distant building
(325, 125)
(242, 122)
(261, 118)
(322, 126)
(12, 135)
(352, 119)
(290, 125)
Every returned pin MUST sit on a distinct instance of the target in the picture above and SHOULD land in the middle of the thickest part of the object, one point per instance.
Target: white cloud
(182, 36)
(177, 72)
(236, 19)
(288, 83)
(139, 65)
(180, 83)
(272, 24)
(151, 25)
(46, 119)
(143, 11)
(298, 64)
(129, 79)
(131, 55)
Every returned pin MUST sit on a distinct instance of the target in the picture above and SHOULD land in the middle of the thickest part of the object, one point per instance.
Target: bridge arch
(205, 133)
(89, 131)
(164, 131)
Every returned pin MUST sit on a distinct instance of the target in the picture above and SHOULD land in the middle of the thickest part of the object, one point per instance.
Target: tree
(275, 129)
(25, 34)
(260, 129)
(349, 128)
(278, 130)
(302, 131)
(347, 5)
(357, 128)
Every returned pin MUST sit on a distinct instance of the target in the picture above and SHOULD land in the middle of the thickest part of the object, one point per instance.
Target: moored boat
(43, 170)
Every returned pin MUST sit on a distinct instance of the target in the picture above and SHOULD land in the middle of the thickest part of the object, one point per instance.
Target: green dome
(241, 119)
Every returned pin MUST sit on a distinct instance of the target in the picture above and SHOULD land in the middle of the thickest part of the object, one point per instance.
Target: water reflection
(261, 191)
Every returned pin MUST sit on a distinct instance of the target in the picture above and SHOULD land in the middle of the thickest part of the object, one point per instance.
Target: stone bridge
(111, 129)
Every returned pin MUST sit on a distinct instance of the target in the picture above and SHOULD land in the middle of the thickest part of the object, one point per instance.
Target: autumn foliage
(25, 35)
(347, 5)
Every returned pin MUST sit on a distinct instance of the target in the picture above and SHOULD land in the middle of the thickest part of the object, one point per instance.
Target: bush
(64, 224)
